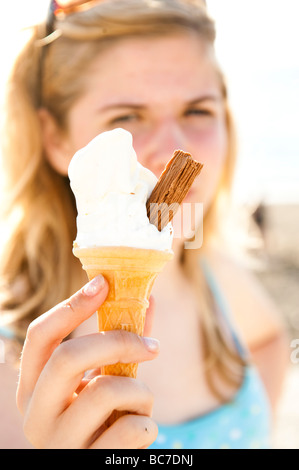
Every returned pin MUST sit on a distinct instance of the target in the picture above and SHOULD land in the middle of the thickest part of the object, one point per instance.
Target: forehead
(154, 67)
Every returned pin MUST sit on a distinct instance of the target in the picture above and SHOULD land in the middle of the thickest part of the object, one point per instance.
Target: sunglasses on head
(63, 8)
(60, 8)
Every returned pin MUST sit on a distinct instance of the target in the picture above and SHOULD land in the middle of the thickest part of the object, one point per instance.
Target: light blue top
(243, 423)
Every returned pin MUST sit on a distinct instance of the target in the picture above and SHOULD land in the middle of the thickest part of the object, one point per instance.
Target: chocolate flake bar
(172, 188)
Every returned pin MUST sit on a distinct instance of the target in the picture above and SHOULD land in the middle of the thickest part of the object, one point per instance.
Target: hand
(62, 407)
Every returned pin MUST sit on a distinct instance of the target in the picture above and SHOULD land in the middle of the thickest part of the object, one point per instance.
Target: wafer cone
(130, 273)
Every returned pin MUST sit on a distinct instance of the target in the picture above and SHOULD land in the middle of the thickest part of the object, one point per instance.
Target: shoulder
(253, 310)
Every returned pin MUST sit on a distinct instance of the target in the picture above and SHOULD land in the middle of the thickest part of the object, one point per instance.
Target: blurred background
(257, 47)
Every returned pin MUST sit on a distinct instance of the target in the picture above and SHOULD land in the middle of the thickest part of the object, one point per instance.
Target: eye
(129, 117)
(198, 112)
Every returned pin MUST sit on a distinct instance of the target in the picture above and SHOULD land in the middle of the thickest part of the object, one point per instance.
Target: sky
(257, 47)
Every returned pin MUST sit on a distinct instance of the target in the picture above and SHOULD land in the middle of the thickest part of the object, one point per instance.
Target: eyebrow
(122, 105)
(126, 105)
(211, 97)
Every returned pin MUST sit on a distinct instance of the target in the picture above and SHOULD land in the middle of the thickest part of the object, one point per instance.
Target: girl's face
(165, 91)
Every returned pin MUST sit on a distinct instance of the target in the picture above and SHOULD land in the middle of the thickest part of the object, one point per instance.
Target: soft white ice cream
(111, 189)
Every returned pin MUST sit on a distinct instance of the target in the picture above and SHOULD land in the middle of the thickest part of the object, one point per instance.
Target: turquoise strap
(6, 333)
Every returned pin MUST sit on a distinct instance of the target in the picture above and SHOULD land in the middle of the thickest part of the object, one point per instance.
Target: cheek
(82, 123)
(80, 136)
(210, 148)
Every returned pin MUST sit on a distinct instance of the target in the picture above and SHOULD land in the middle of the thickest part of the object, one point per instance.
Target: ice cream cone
(130, 273)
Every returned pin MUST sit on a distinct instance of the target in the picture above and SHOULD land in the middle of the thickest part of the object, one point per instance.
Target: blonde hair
(37, 268)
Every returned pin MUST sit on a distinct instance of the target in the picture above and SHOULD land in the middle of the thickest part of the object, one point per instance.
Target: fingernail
(94, 286)
(151, 344)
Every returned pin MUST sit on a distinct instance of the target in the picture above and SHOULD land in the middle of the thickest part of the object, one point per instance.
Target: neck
(172, 271)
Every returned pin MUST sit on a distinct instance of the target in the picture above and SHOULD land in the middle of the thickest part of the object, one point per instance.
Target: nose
(162, 141)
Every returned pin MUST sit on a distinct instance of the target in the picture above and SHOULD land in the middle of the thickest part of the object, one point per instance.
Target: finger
(128, 432)
(146, 332)
(65, 369)
(91, 409)
(88, 376)
(47, 332)
(149, 319)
